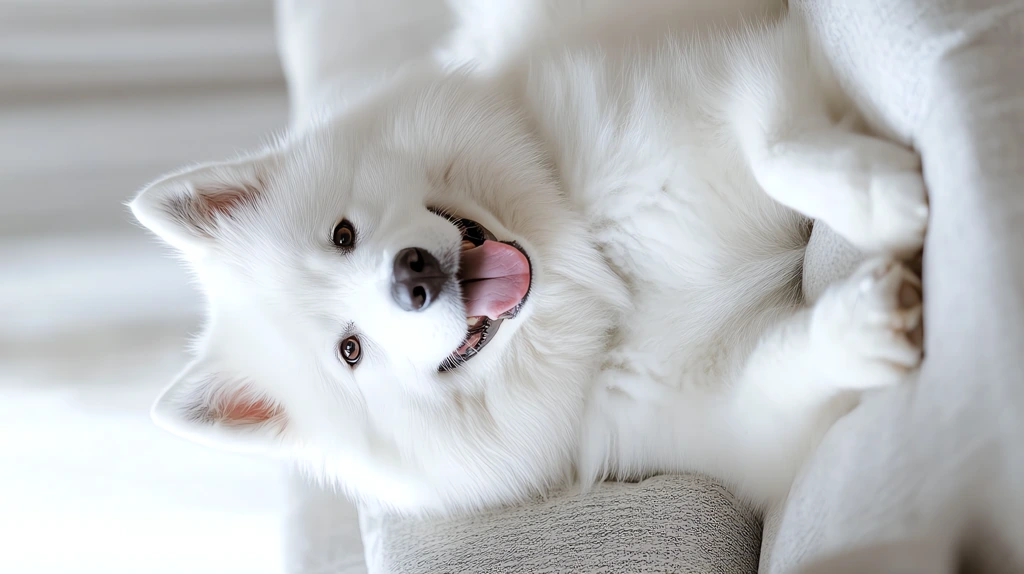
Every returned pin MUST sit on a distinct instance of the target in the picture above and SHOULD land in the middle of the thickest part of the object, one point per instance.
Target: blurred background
(98, 97)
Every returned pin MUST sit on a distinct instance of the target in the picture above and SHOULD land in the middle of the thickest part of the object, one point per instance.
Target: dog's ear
(188, 209)
(218, 408)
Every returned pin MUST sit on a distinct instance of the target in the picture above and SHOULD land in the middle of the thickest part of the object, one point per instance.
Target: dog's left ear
(191, 208)
(216, 407)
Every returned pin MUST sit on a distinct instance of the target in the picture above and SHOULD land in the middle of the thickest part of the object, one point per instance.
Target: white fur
(659, 183)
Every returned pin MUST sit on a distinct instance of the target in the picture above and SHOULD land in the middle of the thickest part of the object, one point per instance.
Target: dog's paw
(867, 331)
(888, 213)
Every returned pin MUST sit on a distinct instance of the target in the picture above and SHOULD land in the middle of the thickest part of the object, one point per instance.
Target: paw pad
(871, 325)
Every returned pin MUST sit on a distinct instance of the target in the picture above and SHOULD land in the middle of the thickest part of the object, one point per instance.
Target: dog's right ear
(189, 209)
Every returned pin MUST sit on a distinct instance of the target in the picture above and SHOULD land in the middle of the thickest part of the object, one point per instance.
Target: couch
(927, 477)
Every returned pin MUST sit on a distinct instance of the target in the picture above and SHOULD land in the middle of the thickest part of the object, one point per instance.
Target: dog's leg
(796, 131)
(863, 333)
(755, 431)
(868, 190)
(867, 329)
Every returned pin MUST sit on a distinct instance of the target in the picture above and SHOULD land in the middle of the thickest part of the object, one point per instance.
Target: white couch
(920, 478)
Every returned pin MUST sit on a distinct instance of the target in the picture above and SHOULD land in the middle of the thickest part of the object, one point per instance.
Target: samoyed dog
(468, 288)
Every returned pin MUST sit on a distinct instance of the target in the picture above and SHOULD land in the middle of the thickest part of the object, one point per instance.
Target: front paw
(889, 215)
(867, 330)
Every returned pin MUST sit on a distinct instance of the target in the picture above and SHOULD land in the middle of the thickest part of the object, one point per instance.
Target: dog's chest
(709, 258)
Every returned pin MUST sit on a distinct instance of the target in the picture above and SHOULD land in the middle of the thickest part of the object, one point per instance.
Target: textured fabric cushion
(940, 460)
(663, 524)
(828, 259)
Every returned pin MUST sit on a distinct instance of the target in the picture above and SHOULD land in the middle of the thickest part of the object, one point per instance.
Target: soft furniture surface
(941, 461)
(664, 524)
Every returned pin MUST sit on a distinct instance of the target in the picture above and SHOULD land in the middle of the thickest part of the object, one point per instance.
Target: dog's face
(399, 299)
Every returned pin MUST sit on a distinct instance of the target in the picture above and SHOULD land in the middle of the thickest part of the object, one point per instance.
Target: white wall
(99, 96)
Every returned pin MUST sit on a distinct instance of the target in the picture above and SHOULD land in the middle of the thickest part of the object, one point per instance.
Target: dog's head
(399, 298)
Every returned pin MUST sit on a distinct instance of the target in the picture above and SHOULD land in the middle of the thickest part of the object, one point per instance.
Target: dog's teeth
(467, 245)
(473, 322)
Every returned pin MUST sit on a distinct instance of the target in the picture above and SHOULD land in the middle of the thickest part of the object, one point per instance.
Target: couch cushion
(939, 460)
(681, 523)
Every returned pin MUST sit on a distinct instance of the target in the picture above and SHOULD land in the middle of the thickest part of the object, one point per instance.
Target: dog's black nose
(417, 279)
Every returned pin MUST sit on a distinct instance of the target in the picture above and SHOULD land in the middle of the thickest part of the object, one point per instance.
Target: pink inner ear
(242, 408)
(223, 201)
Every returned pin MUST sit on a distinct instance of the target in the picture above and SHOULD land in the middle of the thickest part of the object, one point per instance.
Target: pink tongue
(495, 277)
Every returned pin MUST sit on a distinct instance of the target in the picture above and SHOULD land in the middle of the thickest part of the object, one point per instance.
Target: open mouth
(495, 279)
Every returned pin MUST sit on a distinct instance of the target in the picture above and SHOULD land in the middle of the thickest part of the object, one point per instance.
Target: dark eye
(345, 234)
(350, 350)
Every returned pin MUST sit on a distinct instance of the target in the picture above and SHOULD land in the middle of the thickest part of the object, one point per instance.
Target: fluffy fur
(663, 186)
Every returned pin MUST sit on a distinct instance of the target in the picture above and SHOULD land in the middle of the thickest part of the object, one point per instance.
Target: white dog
(466, 289)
